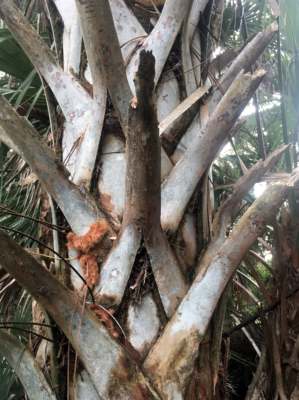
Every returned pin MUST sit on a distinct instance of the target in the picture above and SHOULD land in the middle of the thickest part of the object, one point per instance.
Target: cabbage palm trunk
(144, 196)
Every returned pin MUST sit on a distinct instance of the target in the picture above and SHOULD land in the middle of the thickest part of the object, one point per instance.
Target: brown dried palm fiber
(85, 244)
(90, 269)
(105, 318)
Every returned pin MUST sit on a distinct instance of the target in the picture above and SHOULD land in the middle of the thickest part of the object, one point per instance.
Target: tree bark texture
(26, 367)
(148, 196)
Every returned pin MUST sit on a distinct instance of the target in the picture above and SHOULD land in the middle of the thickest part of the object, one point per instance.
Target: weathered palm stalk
(7, 140)
(217, 334)
(143, 202)
(168, 98)
(71, 35)
(170, 364)
(249, 337)
(245, 61)
(74, 101)
(84, 388)
(129, 31)
(173, 13)
(219, 63)
(249, 53)
(104, 42)
(131, 35)
(112, 174)
(89, 148)
(226, 210)
(181, 183)
(257, 374)
(161, 38)
(52, 174)
(56, 26)
(109, 366)
(54, 349)
(117, 268)
(189, 26)
(195, 51)
(25, 367)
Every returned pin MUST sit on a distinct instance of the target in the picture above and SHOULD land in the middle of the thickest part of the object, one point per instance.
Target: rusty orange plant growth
(105, 318)
(90, 268)
(84, 244)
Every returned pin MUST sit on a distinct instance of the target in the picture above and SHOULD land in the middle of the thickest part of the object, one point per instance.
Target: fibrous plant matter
(84, 244)
(104, 317)
(156, 255)
(87, 242)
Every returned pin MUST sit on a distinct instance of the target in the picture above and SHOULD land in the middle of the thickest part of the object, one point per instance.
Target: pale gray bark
(161, 38)
(109, 366)
(129, 31)
(187, 139)
(52, 174)
(143, 202)
(74, 101)
(168, 99)
(117, 268)
(71, 35)
(189, 26)
(245, 61)
(111, 181)
(89, 147)
(218, 318)
(226, 210)
(84, 388)
(95, 14)
(187, 327)
(176, 112)
(181, 183)
(219, 63)
(250, 51)
(196, 60)
(26, 367)
(107, 24)
(143, 324)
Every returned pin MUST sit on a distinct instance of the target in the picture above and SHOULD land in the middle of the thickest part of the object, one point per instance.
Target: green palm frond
(13, 60)
(7, 378)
